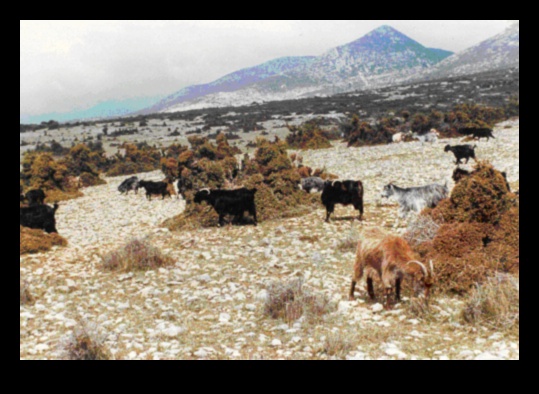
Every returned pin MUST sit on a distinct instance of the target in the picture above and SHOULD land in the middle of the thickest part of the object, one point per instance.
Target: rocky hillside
(384, 56)
(210, 303)
(499, 52)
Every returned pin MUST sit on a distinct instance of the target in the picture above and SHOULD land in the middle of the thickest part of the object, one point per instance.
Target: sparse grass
(349, 244)
(310, 239)
(137, 255)
(291, 301)
(495, 303)
(339, 346)
(86, 343)
(26, 296)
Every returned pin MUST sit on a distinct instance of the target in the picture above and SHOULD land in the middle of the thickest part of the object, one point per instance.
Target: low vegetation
(137, 255)
(37, 241)
(85, 343)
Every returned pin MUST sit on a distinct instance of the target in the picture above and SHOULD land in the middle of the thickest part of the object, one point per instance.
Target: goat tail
(56, 206)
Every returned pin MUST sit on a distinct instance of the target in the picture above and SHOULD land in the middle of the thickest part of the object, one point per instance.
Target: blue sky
(70, 65)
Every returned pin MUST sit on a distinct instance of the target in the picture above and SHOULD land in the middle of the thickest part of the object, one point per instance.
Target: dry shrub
(137, 255)
(137, 159)
(309, 136)
(482, 197)
(37, 241)
(271, 172)
(86, 343)
(478, 235)
(26, 296)
(336, 345)
(291, 301)
(423, 229)
(495, 303)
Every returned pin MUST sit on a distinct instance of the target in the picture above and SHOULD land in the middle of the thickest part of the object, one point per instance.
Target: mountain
(233, 82)
(382, 57)
(499, 52)
(106, 109)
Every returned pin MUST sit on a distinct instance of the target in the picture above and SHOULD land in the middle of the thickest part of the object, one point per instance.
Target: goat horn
(432, 267)
(422, 266)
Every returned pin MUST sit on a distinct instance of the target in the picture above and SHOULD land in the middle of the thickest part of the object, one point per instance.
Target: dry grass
(422, 229)
(291, 301)
(496, 303)
(137, 255)
(339, 346)
(26, 296)
(37, 241)
(86, 343)
(349, 244)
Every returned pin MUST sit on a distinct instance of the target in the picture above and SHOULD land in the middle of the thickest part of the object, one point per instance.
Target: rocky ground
(210, 304)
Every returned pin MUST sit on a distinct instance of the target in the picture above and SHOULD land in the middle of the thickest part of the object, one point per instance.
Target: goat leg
(352, 291)
(370, 288)
(398, 288)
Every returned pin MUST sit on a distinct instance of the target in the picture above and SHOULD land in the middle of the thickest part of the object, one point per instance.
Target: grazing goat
(35, 197)
(344, 193)
(131, 184)
(462, 152)
(155, 189)
(393, 260)
(478, 132)
(39, 217)
(312, 183)
(416, 198)
(230, 202)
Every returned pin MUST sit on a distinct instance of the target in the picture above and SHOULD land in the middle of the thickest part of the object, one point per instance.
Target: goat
(462, 152)
(39, 217)
(35, 197)
(416, 198)
(344, 193)
(229, 202)
(312, 183)
(393, 260)
(478, 132)
(155, 189)
(131, 184)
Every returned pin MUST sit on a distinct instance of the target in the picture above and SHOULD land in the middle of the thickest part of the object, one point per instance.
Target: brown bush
(137, 255)
(137, 159)
(479, 232)
(309, 136)
(37, 241)
(271, 173)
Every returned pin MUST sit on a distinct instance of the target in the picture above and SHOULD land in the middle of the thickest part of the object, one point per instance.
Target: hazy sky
(68, 65)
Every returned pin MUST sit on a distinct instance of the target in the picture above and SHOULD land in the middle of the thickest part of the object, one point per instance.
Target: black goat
(462, 152)
(40, 217)
(155, 189)
(478, 132)
(230, 202)
(131, 184)
(35, 197)
(344, 193)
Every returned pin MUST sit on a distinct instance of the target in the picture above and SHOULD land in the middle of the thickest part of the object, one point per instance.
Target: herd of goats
(378, 254)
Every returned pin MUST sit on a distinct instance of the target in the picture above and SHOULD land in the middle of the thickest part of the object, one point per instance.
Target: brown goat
(392, 259)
